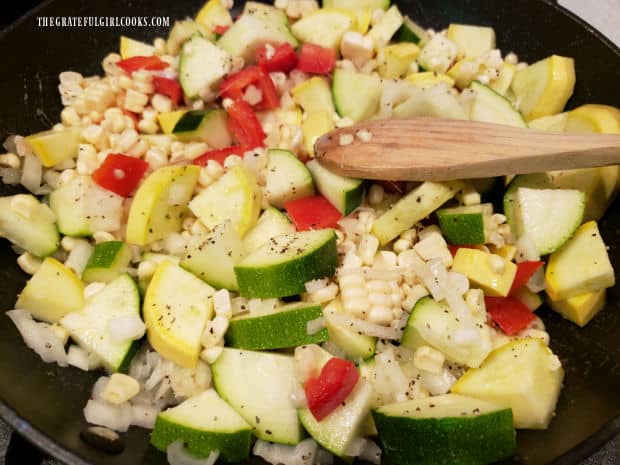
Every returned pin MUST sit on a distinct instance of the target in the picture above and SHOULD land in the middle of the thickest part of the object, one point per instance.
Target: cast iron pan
(44, 402)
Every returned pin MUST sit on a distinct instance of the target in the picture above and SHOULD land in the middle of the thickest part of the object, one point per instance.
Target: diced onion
(99, 387)
(78, 358)
(40, 337)
(177, 195)
(372, 453)
(116, 417)
(177, 455)
(437, 383)
(32, 173)
(314, 326)
(11, 176)
(365, 327)
(144, 416)
(126, 327)
(79, 256)
(304, 453)
(537, 282)
(356, 447)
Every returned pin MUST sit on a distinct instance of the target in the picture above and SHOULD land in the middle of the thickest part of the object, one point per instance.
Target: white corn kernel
(28, 263)
(155, 158)
(66, 176)
(232, 160)
(204, 180)
(378, 298)
(354, 293)
(401, 245)
(68, 243)
(214, 169)
(346, 139)
(69, 116)
(376, 193)
(381, 315)
(109, 64)
(377, 285)
(428, 359)
(369, 244)
(326, 294)
(120, 388)
(92, 134)
(512, 58)
(357, 307)
(474, 298)
(87, 160)
(211, 354)
(160, 46)
(148, 126)
(221, 303)
(135, 101)
(161, 103)
(127, 140)
(433, 245)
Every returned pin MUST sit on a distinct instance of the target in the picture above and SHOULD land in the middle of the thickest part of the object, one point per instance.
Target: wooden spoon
(428, 149)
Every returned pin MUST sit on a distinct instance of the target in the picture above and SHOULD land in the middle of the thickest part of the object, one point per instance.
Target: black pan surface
(45, 402)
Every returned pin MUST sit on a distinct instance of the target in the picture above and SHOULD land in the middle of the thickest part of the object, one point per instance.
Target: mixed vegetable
(182, 238)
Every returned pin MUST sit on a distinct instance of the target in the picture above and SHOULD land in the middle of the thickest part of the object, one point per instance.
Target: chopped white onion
(177, 455)
(99, 387)
(314, 326)
(116, 417)
(537, 282)
(40, 337)
(32, 173)
(458, 282)
(78, 358)
(372, 453)
(437, 383)
(365, 327)
(143, 416)
(356, 447)
(11, 176)
(126, 328)
(79, 256)
(177, 195)
(316, 285)
(304, 453)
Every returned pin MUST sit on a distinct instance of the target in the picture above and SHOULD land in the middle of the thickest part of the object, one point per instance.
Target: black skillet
(44, 402)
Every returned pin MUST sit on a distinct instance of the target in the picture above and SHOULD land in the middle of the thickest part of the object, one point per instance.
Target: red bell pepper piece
(312, 213)
(219, 155)
(220, 29)
(168, 87)
(283, 58)
(316, 59)
(234, 86)
(525, 270)
(327, 391)
(151, 63)
(244, 125)
(509, 313)
(120, 173)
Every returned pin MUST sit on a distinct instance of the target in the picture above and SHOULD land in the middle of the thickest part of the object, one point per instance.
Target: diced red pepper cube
(326, 392)
(316, 59)
(509, 313)
(282, 57)
(219, 155)
(150, 63)
(525, 270)
(314, 212)
(120, 173)
(244, 125)
(168, 87)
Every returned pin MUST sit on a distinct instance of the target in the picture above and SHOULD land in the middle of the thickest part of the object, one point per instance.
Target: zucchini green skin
(131, 352)
(276, 331)
(234, 446)
(288, 277)
(471, 440)
(462, 228)
(190, 121)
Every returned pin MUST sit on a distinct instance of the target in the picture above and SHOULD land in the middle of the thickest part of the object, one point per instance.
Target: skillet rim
(578, 453)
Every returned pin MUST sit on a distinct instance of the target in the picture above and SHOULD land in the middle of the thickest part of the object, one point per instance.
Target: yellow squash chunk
(555, 123)
(602, 119)
(492, 273)
(394, 60)
(314, 126)
(324, 27)
(543, 88)
(314, 95)
(464, 72)
(523, 375)
(501, 85)
(177, 306)
(290, 117)
(160, 204)
(390, 22)
(362, 20)
(428, 79)
(580, 309)
(235, 197)
(582, 265)
(214, 14)
(472, 41)
(52, 292)
(508, 251)
(168, 120)
(53, 147)
(134, 48)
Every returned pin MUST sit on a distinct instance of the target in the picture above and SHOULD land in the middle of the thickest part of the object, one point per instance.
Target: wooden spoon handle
(420, 149)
